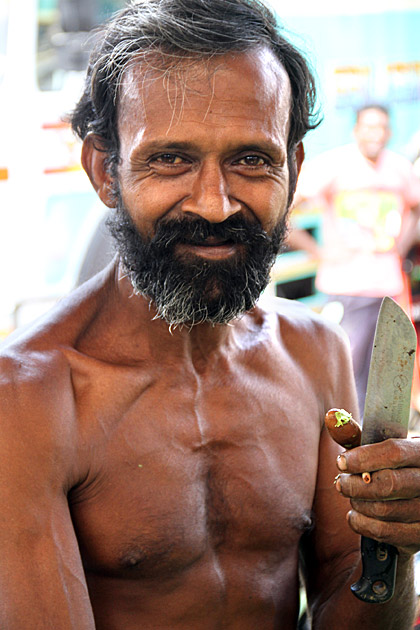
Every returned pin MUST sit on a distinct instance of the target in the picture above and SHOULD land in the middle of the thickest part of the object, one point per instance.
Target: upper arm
(331, 550)
(42, 582)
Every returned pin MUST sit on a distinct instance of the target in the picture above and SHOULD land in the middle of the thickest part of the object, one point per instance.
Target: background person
(371, 205)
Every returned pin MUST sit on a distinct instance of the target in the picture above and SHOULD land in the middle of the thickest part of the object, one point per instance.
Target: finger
(384, 484)
(392, 453)
(400, 511)
(404, 536)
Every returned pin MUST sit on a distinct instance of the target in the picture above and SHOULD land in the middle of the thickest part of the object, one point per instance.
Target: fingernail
(341, 462)
(366, 477)
(337, 483)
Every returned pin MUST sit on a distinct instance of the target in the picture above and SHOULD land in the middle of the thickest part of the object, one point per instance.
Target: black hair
(185, 29)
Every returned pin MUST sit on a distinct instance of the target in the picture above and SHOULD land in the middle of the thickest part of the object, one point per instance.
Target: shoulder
(400, 164)
(319, 173)
(30, 367)
(402, 168)
(311, 350)
(392, 157)
(32, 361)
(61, 325)
(303, 332)
(319, 346)
(298, 316)
(38, 421)
(35, 387)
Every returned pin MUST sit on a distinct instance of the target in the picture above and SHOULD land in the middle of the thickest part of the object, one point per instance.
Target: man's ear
(94, 161)
(299, 156)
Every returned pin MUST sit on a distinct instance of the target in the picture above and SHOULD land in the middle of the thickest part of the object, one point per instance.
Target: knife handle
(377, 583)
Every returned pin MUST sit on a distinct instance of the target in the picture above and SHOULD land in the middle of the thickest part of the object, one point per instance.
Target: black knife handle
(377, 583)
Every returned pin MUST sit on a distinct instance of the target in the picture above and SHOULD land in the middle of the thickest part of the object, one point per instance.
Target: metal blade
(386, 415)
(387, 405)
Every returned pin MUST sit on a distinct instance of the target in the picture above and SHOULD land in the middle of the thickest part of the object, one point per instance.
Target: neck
(154, 335)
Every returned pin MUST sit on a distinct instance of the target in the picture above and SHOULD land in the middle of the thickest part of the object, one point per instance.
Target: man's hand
(386, 507)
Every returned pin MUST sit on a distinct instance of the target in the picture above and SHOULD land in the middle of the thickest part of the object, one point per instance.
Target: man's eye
(169, 158)
(252, 160)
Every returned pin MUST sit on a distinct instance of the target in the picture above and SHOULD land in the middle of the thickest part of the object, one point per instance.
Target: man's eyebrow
(165, 145)
(264, 146)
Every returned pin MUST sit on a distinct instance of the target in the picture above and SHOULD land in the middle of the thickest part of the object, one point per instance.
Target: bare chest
(187, 468)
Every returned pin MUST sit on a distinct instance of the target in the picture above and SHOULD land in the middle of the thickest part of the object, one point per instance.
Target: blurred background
(49, 214)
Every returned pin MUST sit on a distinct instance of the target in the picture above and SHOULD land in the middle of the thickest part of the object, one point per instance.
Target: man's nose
(377, 134)
(209, 197)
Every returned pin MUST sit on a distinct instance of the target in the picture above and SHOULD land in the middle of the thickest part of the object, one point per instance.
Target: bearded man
(165, 463)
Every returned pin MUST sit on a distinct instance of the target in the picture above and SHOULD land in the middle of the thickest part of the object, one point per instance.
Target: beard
(188, 289)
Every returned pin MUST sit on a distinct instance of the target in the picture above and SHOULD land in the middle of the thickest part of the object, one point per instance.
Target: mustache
(187, 290)
(234, 229)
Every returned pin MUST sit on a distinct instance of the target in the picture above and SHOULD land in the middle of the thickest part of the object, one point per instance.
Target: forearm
(344, 611)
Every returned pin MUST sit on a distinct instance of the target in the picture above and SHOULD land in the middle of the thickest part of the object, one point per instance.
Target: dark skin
(168, 479)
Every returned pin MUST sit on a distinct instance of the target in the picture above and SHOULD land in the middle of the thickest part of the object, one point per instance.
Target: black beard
(188, 289)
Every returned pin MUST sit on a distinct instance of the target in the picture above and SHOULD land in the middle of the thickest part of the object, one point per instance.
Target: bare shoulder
(38, 409)
(33, 358)
(30, 370)
(315, 351)
(37, 420)
(297, 322)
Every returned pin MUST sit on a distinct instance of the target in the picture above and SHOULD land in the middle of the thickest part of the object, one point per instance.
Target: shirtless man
(164, 462)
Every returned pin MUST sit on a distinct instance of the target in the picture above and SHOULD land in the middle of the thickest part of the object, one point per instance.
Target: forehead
(373, 117)
(236, 92)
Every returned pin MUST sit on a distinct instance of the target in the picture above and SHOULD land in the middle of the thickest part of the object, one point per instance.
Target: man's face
(372, 133)
(203, 183)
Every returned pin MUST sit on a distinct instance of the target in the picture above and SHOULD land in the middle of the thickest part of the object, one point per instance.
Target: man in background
(370, 198)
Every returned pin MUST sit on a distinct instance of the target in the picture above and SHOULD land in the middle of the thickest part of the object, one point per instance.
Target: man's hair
(377, 106)
(176, 30)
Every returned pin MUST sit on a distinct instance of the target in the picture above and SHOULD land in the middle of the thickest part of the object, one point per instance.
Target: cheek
(268, 202)
(150, 200)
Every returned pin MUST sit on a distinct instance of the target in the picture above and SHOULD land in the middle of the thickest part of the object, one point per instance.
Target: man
(165, 464)
(371, 198)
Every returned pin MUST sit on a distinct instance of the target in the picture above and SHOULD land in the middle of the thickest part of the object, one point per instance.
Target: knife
(386, 415)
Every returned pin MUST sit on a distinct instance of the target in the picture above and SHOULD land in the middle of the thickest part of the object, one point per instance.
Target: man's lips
(211, 248)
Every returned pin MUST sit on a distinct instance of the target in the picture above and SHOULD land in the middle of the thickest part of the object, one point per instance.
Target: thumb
(343, 428)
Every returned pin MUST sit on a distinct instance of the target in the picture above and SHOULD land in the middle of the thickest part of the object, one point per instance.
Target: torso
(197, 478)
(366, 206)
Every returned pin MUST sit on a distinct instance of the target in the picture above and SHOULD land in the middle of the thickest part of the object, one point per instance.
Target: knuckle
(368, 526)
(383, 532)
(385, 483)
(382, 509)
(375, 509)
(395, 452)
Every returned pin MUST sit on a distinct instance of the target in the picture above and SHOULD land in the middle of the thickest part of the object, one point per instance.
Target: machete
(386, 415)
